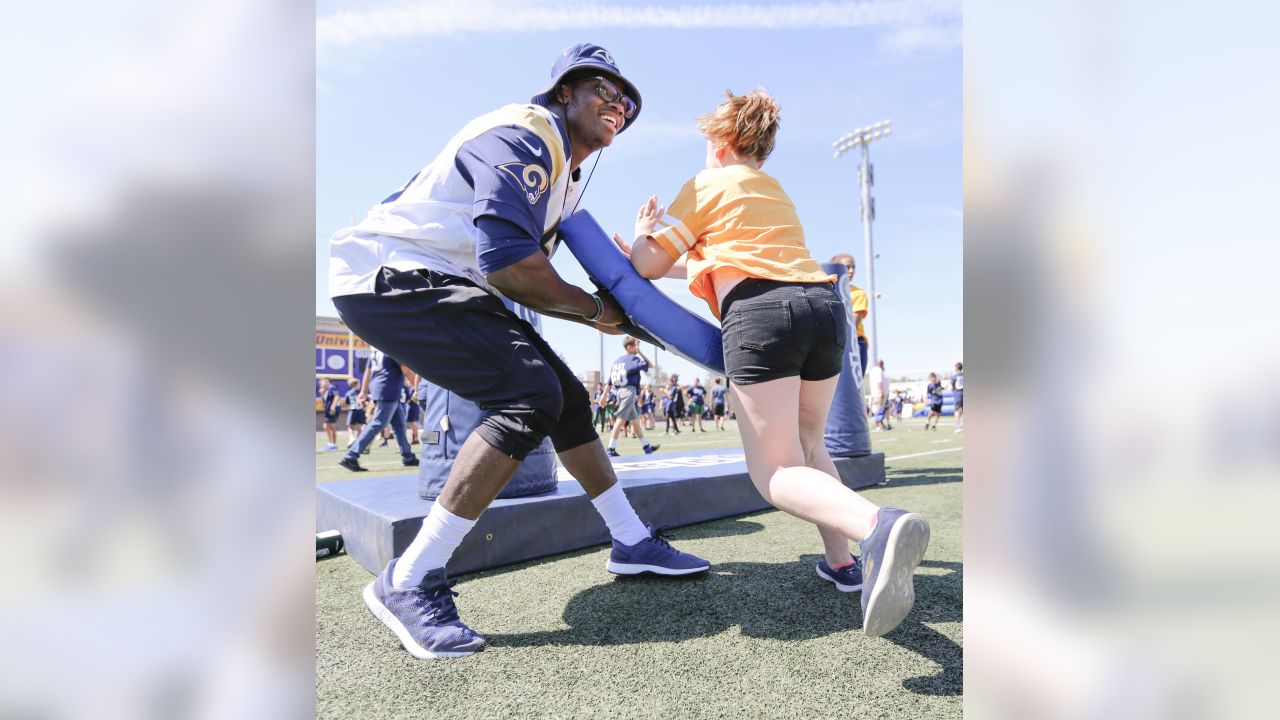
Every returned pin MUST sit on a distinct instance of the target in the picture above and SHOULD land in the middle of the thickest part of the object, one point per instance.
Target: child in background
(329, 406)
(355, 411)
(610, 405)
(646, 408)
(934, 391)
(413, 413)
(597, 407)
(957, 391)
(697, 405)
(784, 335)
(672, 406)
(718, 406)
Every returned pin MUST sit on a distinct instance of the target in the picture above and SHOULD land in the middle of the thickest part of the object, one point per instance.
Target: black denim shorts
(777, 329)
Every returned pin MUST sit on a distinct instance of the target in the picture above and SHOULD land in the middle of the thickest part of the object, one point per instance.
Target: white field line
(921, 454)
(888, 459)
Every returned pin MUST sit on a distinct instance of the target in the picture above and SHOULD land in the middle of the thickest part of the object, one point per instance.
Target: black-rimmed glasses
(613, 95)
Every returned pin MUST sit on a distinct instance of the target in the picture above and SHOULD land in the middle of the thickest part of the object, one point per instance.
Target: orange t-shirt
(736, 222)
(857, 301)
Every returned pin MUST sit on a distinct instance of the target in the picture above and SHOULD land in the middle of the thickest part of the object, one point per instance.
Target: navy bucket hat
(587, 59)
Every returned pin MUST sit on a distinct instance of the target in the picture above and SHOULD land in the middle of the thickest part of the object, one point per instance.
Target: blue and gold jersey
(492, 197)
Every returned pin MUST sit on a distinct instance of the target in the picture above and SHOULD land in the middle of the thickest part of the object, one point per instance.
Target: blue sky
(395, 81)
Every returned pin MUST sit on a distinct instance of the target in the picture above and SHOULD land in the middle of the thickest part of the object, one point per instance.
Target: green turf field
(760, 636)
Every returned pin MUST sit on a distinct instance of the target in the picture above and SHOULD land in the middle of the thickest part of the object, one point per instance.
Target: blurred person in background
(421, 396)
(355, 411)
(879, 382)
(957, 388)
(934, 393)
(329, 406)
(672, 405)
(857, 306)
(598, 401)
(413, 413)
(646, 407)
(624, 377)
(610, 405)
(719, 402)
(697, 405)
(384, 380)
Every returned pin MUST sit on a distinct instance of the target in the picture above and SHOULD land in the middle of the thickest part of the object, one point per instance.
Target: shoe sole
(632, 569)
(384, 615)
(894, 592)
(839, 586)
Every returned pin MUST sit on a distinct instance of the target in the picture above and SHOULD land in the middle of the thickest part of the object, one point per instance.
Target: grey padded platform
(379, 517)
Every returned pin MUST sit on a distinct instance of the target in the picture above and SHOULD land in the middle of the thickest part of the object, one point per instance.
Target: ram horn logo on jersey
(531, 180)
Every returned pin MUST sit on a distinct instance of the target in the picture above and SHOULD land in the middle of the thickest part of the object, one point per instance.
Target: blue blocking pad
(664, 321)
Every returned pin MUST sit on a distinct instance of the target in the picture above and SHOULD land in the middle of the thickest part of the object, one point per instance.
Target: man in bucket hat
(420, 278)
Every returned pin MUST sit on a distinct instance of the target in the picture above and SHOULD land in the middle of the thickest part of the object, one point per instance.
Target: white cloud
(925, 37)
(917, 20)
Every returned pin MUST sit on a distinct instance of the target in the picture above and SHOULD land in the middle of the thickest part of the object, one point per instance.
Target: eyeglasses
(614, 96)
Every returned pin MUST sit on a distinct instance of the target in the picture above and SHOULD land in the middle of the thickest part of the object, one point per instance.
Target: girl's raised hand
(648, 216)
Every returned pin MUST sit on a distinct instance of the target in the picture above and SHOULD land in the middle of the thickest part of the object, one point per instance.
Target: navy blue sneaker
(611, 452)
(889, 557)
(654, 555)
(846, 579)
(651, 449)
(424, 618)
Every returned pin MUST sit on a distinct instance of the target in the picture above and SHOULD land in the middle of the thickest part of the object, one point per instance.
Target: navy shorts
(331, 417)
(464, 339)
(414, 414)
(719, 410)
(355, 417)
(777, 329)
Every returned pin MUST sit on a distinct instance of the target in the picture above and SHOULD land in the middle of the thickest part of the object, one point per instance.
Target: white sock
(646, 442)
(615, 508)
(441, 534)
(612, 441)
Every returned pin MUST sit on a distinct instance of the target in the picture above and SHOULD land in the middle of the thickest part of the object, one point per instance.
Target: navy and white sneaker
(611, 452)
(654, 555)
(424, 618)
(651, 449)
(889, 557)
(846, 579)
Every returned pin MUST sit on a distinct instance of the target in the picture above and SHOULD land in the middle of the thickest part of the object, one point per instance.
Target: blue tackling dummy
(653, 316)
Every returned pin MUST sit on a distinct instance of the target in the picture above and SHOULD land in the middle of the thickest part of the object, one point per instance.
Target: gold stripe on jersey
(526, 116)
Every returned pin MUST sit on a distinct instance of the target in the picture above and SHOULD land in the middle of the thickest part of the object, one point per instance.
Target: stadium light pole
(861, 138)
